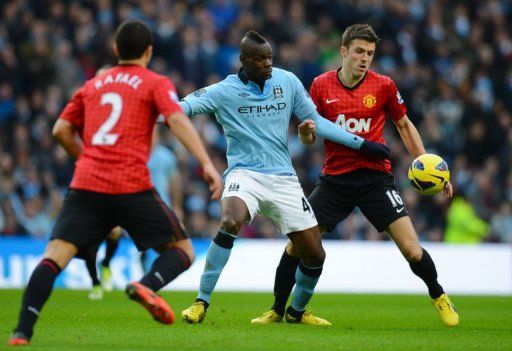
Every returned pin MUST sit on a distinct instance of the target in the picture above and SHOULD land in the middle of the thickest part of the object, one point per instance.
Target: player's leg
(68, 239)
(57, 255)
(96, 292)
(286, 204)
(152, 224)
(385, 209)
(312, 255)
(330, 206)
(174, 258)
(234, 214)
(403, 234)
(111, 245)
(238, 205)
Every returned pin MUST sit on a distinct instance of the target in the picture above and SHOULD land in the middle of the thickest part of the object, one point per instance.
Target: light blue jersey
(256, 122)
(162, 165)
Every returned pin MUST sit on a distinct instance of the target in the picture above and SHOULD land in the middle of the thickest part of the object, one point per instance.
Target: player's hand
(375, 149)
(213, 178)
(448, 190)
(307, 131)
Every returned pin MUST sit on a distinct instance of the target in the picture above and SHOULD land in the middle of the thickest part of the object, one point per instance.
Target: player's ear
(149, 52)
(116, 51)
(242, 58)
(343, 51)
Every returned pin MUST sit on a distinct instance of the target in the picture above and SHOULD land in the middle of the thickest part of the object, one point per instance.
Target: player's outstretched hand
(375, 149)
(213, 178)
(307, 131)
(448, 190)
(307, 127)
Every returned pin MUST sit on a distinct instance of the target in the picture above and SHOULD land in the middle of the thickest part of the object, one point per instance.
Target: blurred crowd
(451, 60)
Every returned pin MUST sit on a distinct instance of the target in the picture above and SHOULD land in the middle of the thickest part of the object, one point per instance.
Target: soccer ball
(428, 174)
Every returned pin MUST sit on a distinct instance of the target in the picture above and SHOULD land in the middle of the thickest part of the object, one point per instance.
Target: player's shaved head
(132, 38)
(250, 42)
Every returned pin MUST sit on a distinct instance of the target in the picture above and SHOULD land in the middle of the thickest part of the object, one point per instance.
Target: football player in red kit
(114, 114)
(360, 100)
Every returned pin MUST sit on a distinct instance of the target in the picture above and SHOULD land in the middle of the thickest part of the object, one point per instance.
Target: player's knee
(230, 224)
(186, 247)
(314, 258)
(191, 257)
(413, 254)
(291, 250)
(60, 252)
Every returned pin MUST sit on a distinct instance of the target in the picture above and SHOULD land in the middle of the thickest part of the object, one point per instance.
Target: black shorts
(374, 192)
(87, 217)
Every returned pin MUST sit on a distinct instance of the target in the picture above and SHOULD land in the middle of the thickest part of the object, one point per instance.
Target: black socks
(224, 239)
(166, 268)
(284, 281)
(36, 294)
(426, 270)
(111, 247)
(90, 263)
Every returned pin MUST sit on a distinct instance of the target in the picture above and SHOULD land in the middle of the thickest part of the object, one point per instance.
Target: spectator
(463, 226)
(452, 62)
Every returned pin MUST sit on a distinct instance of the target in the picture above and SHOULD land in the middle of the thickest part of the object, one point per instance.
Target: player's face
(258, 63)
(358, 56)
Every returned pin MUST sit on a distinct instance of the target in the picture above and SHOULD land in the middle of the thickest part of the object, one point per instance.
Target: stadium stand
(451, 60)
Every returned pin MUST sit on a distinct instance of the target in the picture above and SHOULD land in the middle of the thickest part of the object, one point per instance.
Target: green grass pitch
(360, 322)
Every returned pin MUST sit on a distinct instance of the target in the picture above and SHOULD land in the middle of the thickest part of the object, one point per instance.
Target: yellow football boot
(96, 293)
(446, 310)
(268, 317)
(195, 313)
(106, 279)
(307, 318)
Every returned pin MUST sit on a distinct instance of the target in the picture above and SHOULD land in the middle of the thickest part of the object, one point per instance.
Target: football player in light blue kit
(254, 108)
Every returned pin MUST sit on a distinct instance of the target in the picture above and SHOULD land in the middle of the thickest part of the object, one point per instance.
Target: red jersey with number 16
(361, 110)
(114, 114)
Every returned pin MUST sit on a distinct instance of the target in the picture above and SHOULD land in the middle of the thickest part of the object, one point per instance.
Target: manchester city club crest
(278, 91)
(199, 92)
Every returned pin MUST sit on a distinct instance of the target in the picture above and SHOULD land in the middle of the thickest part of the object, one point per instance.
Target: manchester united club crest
(369, 101)
(278, 91)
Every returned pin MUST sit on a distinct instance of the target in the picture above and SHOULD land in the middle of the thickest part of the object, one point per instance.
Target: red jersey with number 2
(114, 114)
(361, 110)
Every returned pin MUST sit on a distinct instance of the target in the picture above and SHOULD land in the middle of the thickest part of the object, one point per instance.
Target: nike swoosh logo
(438, 177)
(398, 210)
(328, 101)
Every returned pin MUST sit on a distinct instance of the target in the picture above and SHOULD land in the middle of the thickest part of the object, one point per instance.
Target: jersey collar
(243, 78)
(355, 86)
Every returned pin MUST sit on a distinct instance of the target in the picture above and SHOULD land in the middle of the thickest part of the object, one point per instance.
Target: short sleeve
(74, 110)
(166, 98)
(303, 106)
(204, 100)
(395, 106)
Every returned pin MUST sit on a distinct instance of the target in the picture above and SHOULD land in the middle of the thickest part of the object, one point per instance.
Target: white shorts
(280, 198)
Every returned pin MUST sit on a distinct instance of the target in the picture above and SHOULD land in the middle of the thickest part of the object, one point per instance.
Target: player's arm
(328, 130)
(66, 129)
(202, 101)
(66, 135)
(180, 125)
(184, 130)
(410, 136)
(305, 109)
